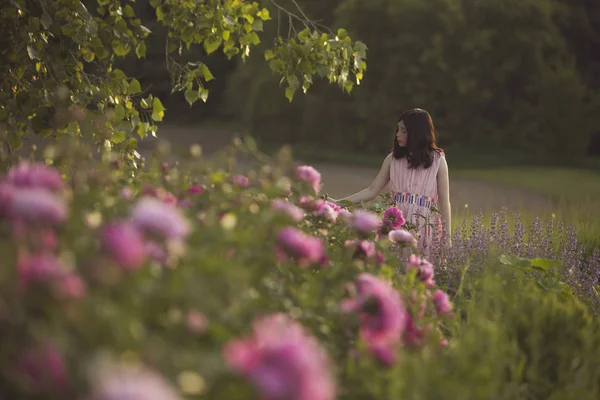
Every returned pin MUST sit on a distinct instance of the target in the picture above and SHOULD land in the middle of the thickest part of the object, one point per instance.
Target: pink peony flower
(34, 206)
(402, 236)
(392, 219)
(196, 322)
(126, 193)
(363, 248)
(424, 269)
(240, 180)
(195, 190)
(70, 286)
(124, 243)
(293, 211)
(297, 245)
(442, 302)
(129, 382)
(38, 268)
(365, 222)
(161, 219)
(37, 175)
(44, 367)
(327, 211)
(309, 175)
(282, 361)
(382, 313)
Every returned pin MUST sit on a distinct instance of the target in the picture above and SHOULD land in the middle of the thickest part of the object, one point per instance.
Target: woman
(417, 173)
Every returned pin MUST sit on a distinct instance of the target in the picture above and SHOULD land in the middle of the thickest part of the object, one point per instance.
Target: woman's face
(401, 134)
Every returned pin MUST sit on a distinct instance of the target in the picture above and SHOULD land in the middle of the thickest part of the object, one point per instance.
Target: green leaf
(191, 96)
(46, 20)
(89, 56)
(208, 76)
(14, 140)
(212, 43)
(121, 49)
(289, 93)
(545, 264)
(32, 53)
(257, 25)
(128, 12)
(134, 87)
(160, 14)
(276, 65)
(269, 54)
(140, 50)
(118, 137)
(158, 110)
(203, 93)
(263, 14)
(119, 113)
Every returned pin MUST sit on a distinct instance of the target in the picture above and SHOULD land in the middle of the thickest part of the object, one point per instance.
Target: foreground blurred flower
(282, 361)
(402, 236)
(36, 175)
(43, 367)
(382, 315)
(124, 243)
(392, 219)
(158, 218)
(295, 244)
(442, 302)
(33, 206)
(240, 180)
(424, 269)
(363, 248)
(129, 382)
(37, 268)
(365, 222)
(285, 207)
(309, 175)
(196, 321)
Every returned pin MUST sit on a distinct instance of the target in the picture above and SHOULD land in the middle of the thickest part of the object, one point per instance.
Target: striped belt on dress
(416, 199)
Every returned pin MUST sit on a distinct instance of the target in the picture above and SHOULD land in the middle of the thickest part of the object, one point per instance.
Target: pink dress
(415, 191)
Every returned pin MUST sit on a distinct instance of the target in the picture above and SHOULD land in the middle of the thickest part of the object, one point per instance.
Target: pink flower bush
(392, 219)
(290, 209)
(282, 361)
(365, 222)
(383, 317)
(44, 367)
(424, 269)
(36, 206)
(295, 244)
(158, 218)
(402, 236)
(36, 175)
(309, 175)
(124, 243)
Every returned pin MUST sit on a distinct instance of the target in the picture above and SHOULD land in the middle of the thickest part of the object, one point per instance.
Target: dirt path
(342, 180)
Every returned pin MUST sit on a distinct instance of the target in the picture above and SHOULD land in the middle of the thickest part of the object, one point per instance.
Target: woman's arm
(443, 183)
(375, 187)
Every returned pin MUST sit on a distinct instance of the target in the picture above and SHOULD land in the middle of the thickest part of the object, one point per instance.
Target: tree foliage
(494, 73)
(65, 52)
